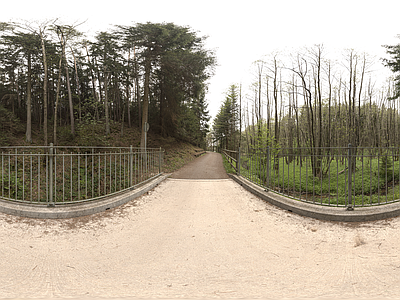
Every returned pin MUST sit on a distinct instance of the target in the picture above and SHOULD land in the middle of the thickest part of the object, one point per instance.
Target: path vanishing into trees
(198, 235)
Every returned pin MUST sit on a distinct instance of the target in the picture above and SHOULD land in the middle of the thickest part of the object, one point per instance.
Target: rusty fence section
(343, 176)
(60, 175)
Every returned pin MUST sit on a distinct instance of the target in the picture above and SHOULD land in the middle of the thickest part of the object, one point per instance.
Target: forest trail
(198, 238)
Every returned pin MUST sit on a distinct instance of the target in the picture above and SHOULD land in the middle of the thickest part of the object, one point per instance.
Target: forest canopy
(52, 75)
(309, 99)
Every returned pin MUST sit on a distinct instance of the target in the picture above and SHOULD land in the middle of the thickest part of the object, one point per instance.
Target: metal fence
(343, 177)
(61, 175)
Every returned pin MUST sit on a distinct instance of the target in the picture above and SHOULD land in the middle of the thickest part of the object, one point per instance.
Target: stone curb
(79, 209)
(326, 213)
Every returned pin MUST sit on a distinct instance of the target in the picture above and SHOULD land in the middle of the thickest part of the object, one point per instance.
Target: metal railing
(51, 175)
(343, 177)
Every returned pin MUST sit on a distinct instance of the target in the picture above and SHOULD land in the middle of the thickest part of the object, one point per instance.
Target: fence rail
(343, 177)
(231, 156)
(50, 175)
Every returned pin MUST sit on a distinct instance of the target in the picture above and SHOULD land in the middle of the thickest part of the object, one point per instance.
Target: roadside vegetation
(305, 108)
(63, 84)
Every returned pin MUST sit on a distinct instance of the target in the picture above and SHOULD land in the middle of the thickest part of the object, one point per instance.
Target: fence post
(268, 165)
(349, 189)
(238, 163)
(159, 162)
(131, 166)
(51, 200)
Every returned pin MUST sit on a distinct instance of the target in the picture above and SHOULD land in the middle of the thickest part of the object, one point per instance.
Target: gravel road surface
(198, 238)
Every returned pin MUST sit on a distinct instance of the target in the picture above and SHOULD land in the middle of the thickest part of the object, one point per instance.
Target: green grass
(228, 167)
(373, 182)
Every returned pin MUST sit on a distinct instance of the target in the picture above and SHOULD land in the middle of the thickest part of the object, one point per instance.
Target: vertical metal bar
(268, 166)
(362, 176)
(320, 175)
(86, 175)
(379, 199)
(2, 174)
(370, 177)
(99, 176)
(105, 173)
(23, 176)
(47, 176)
(307, 177)
(92, 157)
(63, 177)
(329, 172)
(51, 203)
(30, 175)
(160, 161)
(393, 173)
(301, 165)
(293, 158)
(386, 176)
(349, 163)
(79, 176)
(115, 171)
(131, 166)
(313, 174)
(71, 178)
(9, 175)
(55, 176)
(110, 173)
(337, 177)
(38, 177)
(16, 174)
(283, 171)
(120, 169)
(124, 170)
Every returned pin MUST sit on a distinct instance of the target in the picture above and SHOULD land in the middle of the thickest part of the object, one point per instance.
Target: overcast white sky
(241, 32)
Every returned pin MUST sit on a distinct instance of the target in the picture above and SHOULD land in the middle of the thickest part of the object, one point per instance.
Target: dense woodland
(53, 76)
(307, 99)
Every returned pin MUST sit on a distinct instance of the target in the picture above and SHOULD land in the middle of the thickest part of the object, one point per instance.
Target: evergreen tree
(226, 123)
(394, 64)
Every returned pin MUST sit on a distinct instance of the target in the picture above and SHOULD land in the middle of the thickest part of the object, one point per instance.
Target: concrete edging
(78, 209)
(339, 214)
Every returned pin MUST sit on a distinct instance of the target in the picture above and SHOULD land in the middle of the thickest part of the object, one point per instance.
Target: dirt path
(198, 238)
(208, 166)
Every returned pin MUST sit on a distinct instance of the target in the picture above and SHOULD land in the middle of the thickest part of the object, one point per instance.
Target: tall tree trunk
(57, 99)
(29, 101)
(106, 102)
(128, 90)
(77, 84)
(41, 32)
(91, 67)
(145, 100)
(71, 105)
(137, 88)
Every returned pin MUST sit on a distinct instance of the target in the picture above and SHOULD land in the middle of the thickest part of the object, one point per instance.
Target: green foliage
(10, 125)
(385, 168)
(227, 166)
(263, 139)
(299, 181)
(11, 186)
(226, 123)
(108, 73)
(394, 64)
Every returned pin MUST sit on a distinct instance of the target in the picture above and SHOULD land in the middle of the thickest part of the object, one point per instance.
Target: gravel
(198, 235)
